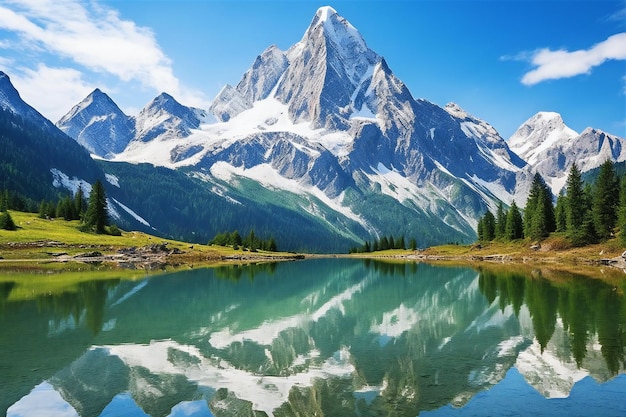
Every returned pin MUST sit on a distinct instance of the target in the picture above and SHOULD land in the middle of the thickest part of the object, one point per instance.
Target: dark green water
(317, 338)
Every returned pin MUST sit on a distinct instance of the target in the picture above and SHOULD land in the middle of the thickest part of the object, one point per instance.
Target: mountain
(550, 148)
(99, 125)
(327, 129)
(37, 159)
(166, 116)
(11, 102)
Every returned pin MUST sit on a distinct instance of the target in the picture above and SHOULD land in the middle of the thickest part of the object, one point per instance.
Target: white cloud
(97, 39)
(52, 91)
(552, 65)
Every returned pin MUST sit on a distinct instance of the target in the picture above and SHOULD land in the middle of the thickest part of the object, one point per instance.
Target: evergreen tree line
(385, 243)
(585, 213)
(68, 207)
(251, 242)
(92, 212)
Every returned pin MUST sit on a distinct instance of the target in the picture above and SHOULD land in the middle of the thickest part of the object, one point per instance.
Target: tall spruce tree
(514, 223)
(576, 208)
(539, 218)
(622, 211)
(500, 221)
(6, 221)
(560, 212)
(480, 229)
(489, 226)
(605, 201)
(96, 217)
(79, 202)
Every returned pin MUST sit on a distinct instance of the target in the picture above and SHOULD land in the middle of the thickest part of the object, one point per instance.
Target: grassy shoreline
(57, 246)
(41, 245)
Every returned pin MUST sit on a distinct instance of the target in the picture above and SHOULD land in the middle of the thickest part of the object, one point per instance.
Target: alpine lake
(321, 337)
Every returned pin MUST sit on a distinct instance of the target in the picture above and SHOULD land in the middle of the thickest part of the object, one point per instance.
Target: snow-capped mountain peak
(550, 148)
(539, 133)
(166, 118)
(336, 29)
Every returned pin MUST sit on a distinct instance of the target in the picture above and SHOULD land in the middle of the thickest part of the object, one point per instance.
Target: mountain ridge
(326, 128)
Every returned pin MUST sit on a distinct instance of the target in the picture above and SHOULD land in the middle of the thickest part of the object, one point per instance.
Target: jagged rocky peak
(261, 78)
(325, 69)
(165, 115)
(96, 103)
(542, 131)
(98, 124)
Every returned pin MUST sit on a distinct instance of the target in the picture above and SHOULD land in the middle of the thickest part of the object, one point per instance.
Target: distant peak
(164, 96)
(333, 24)
(324, 13)
(548, 115)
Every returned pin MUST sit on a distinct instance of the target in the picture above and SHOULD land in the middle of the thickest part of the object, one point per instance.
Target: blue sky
(502, 61)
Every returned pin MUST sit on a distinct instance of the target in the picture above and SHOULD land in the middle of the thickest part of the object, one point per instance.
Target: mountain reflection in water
(326, 337)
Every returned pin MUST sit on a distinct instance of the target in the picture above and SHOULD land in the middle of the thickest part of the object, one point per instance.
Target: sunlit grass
(38, 238)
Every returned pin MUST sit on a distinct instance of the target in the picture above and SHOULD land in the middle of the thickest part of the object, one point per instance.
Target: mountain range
(321, 146)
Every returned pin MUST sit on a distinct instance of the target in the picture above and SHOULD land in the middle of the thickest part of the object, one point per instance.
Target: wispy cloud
(550, 65)
(96, 38)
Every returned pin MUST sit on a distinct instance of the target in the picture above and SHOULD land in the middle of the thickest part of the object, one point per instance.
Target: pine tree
(560, 212)
(622, 211)
(235, 239)
(514, 223)
(412, 244)
(273, 247)
(531, 203)
(539, 218)
(489, 226)
(576, 208)
(96, 217)
(79, 203)
(500, 221)
(480, 229)
(605, 201)
(6, 221)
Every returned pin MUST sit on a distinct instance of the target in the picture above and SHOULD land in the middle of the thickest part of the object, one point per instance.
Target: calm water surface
(316, 338)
